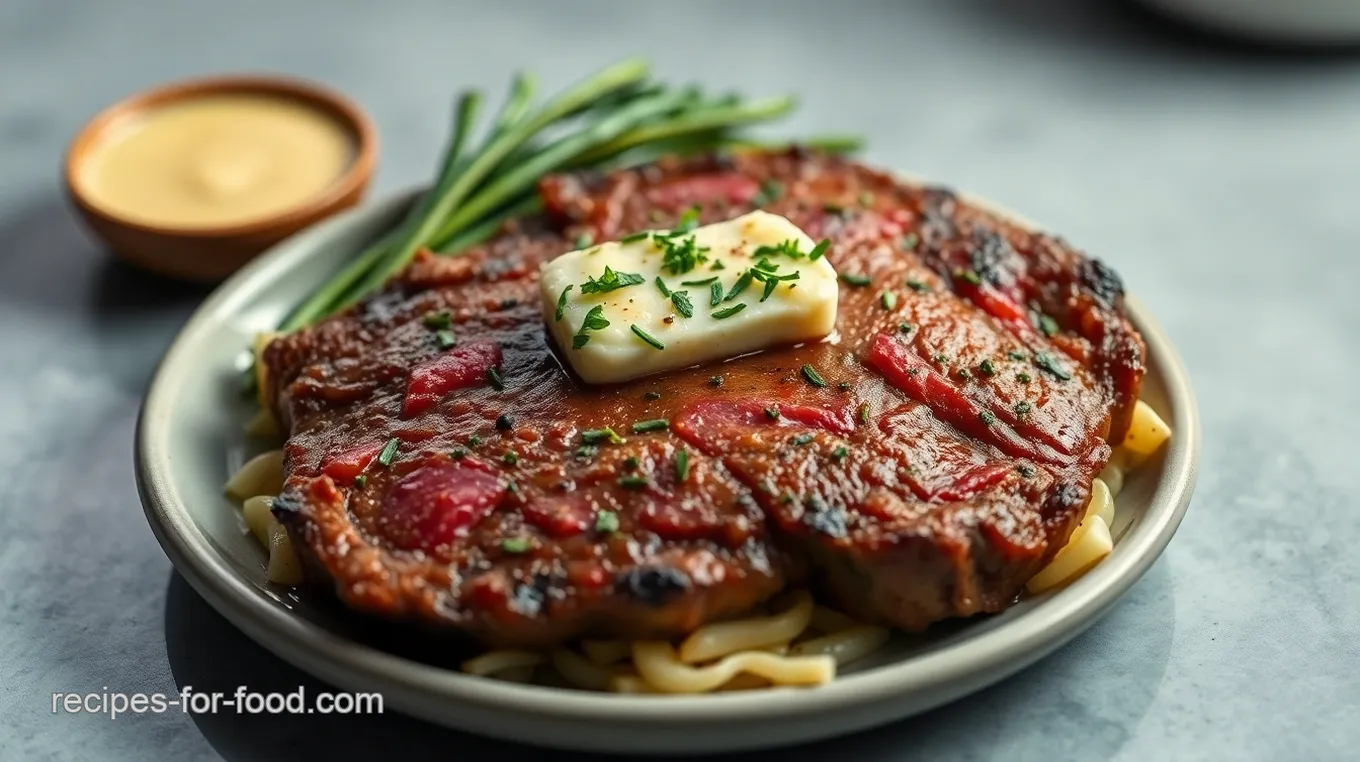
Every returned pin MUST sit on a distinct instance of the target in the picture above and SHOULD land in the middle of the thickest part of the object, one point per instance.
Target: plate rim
(938, 676)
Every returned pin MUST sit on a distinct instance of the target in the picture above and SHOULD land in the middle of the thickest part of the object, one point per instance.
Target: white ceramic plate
(189, 440)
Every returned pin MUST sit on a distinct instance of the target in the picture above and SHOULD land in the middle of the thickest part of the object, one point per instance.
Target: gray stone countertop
(1222, 183)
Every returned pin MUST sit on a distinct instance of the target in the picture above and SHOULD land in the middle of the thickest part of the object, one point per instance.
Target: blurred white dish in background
(1313, 22)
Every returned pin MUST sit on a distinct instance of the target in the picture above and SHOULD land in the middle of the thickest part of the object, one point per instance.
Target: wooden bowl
(210, 253)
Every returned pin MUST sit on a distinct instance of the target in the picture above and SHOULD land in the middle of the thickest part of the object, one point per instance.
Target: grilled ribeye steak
(946, 457)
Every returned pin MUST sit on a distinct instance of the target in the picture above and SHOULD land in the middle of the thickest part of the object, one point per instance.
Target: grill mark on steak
(916, 496)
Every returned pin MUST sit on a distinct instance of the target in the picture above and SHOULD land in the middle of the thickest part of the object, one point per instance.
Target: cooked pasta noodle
(606, 651)
(630, 684)
(262, 340)
(1113, 476)
(744, 682)
(496, 662)
(580, 671)
(844, 646)
(261, 475)
(660, 666)
(716, 640)
(284, 567)
(830, 620)
(1102, 504)
(1147, 433)
(262, 424)
(255, 484)
(258, 517)
(1090, 543)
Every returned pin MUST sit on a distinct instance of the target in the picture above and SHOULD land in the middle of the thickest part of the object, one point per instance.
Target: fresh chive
(583, 240)
(650, 396)
(1022, 377)
(458, 453)
(939, 358)
(905, 328)
(1048, 325)
(856, 279)
(493, 376)
(474, 441)
(656, 424)
(969, 276)
(819, 249)
(965, 374)
(742, 282)
(445, 339)
(1023, 408)
(1026, 470)
(918, 286)
(813, 377)
(647, 337)
(661, 286)
(635, 237)
(682, 303)
(863, 413)
(389, 451)
(772, 413)
(717, 265)
(503, 422)
(562, 303)
(1018, 356)
(515, 545)
(586, 451)
(770, 285)
(703, 282)
(595, 436)
(633, 482)
(511, 486)
(988, 417)
(680, 256)
(440, 319)
(889, 300)
(510, 458)
(594, 321)
(727, 312)
(631, 463)
(360, 481)
(839, 453)
(987, 368)
(715, 380)
(1045, 361)
(715, 294)
(611, 280)
(803, 439)
(606, 522)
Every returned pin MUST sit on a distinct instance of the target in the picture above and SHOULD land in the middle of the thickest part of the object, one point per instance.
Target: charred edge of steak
(653, 585)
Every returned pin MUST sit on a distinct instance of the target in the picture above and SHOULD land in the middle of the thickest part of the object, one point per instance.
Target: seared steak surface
(948, 455)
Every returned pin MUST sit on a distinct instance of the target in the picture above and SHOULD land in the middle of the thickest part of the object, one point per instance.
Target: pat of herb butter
(667, 299)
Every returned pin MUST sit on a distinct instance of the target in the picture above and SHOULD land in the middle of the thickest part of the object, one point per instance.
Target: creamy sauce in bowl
(216, 160)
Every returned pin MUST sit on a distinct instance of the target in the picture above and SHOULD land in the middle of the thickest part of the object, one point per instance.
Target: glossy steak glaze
(947, 457)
